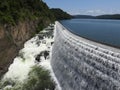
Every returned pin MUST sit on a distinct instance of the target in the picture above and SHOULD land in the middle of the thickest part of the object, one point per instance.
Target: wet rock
(40, 37)
(38, 42)
(12, 39)
(38, 59)
(52, 43)
(44, 41)
(46, 54)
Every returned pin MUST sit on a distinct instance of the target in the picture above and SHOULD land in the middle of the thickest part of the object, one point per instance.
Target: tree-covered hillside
(60, 14)
(114, 16)
(83, 17)
(13, 11)
(106, 16)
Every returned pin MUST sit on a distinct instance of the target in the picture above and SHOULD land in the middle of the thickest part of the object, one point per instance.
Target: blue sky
(88, 7)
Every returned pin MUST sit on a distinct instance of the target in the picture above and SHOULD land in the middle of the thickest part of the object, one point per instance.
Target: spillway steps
(80, 65)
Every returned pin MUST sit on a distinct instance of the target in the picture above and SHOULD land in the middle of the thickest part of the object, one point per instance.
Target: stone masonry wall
(81, 64)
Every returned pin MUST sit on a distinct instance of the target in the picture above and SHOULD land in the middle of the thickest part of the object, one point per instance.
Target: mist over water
(30, 59)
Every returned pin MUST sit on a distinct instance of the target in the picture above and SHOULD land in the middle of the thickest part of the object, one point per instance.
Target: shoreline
(102, 45)
(68, 29)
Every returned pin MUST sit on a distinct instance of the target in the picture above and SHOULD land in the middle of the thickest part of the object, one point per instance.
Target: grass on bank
(38, 79)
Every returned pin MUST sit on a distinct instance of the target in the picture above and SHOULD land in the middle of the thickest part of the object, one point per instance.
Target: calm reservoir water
(103, 31)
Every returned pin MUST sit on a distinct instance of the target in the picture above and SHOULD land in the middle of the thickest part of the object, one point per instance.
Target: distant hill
(60, 14)
(83, 16)
(114, 16)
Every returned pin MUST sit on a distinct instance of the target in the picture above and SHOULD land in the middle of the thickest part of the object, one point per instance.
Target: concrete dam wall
(81, 64)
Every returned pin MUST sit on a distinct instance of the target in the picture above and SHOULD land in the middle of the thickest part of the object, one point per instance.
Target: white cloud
(95, 12)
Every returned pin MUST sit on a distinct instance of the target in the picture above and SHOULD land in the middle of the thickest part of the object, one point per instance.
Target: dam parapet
(82, 64)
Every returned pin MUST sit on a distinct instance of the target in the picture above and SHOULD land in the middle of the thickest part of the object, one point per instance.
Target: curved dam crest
(81, 64)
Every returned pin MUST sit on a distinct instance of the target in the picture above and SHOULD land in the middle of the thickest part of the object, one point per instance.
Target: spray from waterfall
(36, 52)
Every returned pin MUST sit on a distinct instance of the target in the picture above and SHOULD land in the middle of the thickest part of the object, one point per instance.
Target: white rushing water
(81, 64)
(23, 63)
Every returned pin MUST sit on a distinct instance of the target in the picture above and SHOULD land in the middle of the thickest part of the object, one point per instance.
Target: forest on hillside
(107, 16)
(13, 11)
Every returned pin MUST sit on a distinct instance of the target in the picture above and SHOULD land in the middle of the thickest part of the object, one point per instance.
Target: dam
(82, 64)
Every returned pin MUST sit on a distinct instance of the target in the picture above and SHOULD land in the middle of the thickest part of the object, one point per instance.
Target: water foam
(23, 63)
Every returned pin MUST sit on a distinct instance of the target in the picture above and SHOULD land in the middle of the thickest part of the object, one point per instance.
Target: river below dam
(99, 30)
(24, 72)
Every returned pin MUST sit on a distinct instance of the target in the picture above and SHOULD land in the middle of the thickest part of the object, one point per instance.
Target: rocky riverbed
(36, 53)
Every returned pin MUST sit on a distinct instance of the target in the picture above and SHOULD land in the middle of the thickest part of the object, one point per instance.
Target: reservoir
(99, 30)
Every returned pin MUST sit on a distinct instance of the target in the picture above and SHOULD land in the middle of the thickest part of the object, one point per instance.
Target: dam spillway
(81, 64)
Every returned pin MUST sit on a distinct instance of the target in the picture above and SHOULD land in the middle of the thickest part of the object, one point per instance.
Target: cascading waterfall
(81, 64)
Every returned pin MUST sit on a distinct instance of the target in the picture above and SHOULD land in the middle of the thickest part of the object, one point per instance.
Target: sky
(86, 7)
